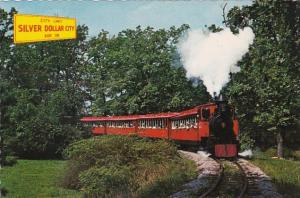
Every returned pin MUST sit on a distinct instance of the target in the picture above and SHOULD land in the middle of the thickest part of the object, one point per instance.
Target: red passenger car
(212, 125)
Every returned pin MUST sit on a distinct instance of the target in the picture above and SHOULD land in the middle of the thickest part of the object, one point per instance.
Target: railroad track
(225, 178)
(227, 182)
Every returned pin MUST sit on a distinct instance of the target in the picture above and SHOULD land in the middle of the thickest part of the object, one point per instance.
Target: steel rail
(217, 182)
(220, 176)
(245, 182)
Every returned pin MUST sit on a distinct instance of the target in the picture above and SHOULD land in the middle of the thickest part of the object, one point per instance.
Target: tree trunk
(280, 144)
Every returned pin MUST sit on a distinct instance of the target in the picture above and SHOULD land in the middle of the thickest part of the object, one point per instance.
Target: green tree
(6, 26)
(267, 89)
(42, 96)
(139, 71)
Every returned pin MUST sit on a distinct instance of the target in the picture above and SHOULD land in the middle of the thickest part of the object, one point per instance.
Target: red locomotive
(211, 125)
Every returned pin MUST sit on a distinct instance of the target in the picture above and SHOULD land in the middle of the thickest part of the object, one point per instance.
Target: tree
(6, 26)
(138, 72)
(43, 95)
(267, 89)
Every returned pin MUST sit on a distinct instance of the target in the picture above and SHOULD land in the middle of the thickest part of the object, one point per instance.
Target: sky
(115, 16)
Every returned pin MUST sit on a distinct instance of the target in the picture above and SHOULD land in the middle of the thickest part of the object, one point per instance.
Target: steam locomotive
(212, 126)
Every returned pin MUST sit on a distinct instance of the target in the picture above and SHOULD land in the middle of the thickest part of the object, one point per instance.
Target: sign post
(35, 28)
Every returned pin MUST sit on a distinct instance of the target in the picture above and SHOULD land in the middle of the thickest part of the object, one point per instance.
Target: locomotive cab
(222, 131)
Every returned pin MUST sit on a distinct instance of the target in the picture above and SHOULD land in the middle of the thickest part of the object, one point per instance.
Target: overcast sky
(115, 16)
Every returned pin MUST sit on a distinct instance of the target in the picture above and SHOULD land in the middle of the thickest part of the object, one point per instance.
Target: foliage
(10, 160)
(139, 71)
(246, 141)
(41, 96)
(105, 181)
(170, 182)
(46, 87)
(35, 178)
(3, 191)
(39, 129)
(288, 153)
(111, 166)
(266, 91)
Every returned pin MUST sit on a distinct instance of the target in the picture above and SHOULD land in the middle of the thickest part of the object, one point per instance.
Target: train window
(120, 124)
(175, 124)
(185, 123)
(151, 123)
(129, 124)
(95, 124)
(205, 113)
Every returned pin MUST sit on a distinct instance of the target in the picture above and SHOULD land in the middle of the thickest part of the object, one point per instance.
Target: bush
(106, 181)
(288, 153)
(42, 128)
(113, 166)
(246, 141)
(3, 191)
(174, 177)
(10, 161)
(296, 154)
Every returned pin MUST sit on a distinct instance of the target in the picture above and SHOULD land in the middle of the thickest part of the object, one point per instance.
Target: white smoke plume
(212, 56)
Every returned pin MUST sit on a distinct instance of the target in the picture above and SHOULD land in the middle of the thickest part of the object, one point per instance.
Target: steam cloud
(212, 56)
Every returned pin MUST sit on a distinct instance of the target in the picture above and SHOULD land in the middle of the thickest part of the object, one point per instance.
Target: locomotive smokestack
(215, 97)
(220, 97)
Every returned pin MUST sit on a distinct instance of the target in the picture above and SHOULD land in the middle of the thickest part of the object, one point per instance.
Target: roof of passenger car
(129, 117)
(185, 113)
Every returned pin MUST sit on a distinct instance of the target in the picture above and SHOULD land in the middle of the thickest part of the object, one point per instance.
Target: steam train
(212, 126)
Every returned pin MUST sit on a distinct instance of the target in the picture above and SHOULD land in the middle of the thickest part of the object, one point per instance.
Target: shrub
(113, 166)
(105, 181)
(10, 161)
(246, 141)
(3, 191)
(272, 152)
(288, 153)
(174, 176)
(296, 154)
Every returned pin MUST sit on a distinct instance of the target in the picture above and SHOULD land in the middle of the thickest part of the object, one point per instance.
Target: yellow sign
(34, 28)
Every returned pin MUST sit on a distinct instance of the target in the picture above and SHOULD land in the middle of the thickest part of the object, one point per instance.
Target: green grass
(35, 179)
(284, 173)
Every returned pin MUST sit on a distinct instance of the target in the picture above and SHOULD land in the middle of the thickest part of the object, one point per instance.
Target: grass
(284, 173)
(35, 178)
